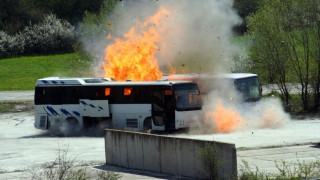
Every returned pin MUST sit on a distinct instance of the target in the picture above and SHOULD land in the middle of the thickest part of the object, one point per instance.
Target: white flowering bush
(11, 45)
(52, 35)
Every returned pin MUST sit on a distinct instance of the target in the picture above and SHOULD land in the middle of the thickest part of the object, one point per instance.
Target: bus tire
(147, 125)
(72, 125)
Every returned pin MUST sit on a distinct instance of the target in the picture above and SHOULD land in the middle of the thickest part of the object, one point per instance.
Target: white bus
(247, 84)
(84, 103)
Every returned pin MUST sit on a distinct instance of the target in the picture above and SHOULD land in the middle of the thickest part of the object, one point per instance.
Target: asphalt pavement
(23, 145)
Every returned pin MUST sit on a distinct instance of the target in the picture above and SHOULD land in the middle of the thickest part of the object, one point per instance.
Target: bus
(84, 103)
(246, 84)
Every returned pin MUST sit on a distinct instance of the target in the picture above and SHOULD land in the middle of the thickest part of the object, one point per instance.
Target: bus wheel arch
(147, 124)
(73, 124)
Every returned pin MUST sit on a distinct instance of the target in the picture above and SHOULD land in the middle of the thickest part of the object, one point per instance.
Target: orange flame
(172, 69)
(127, 91)
(223, 120)
(133, 57)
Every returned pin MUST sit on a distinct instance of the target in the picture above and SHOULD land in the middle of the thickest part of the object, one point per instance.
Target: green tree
(244, 9)
(266, 48)
(285, 42)
(15, 15)
(71, 10)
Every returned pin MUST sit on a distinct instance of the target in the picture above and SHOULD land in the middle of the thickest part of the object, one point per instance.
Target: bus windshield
(249, 88)
(187, 97)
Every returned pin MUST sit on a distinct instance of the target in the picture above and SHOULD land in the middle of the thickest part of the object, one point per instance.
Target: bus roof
(204, 76)
(56, 81)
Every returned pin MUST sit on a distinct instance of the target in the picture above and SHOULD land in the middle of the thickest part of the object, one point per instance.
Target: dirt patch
(16, 106)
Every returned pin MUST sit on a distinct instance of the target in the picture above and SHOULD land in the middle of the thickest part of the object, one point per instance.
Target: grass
(294, 107)
(15, 106)
(21, 73)
(6, 107)
(285, 171)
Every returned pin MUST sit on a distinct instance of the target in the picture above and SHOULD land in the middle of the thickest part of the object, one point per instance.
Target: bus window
(131, 95)
(193, 98)
(127, 91)
(71, 95)
(157, 108)
(187, 97)
(168, 100)
(249, 88)
(100, 93)
(145, 94)
(167, 92)
(107, 91)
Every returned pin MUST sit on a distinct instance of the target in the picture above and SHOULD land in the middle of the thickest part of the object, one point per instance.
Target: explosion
(223, 119)
(133, 57)
(226, 118)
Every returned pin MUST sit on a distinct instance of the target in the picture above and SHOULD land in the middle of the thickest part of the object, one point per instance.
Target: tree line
(284, 47)
(46, 26)
(16, 15)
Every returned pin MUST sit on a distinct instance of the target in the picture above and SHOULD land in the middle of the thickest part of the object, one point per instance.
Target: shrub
(51, 36)
(285, 171)
(64, 168)
(210, 159)
(11, 45)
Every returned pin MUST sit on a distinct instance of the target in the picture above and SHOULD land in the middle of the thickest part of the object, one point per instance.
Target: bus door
(163, 112)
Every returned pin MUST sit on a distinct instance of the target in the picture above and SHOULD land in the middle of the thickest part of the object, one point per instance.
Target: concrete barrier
(178, 156)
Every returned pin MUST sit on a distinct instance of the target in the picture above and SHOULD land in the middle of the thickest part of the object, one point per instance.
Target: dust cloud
(64, 128)
(195, 35)
(226, 112)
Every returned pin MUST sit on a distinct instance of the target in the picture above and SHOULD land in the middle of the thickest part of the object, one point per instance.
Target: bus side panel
(41, 117)
(94, 108)
(54, 114)
(188, 119)
(46, 115)
(71, 111)
(129, 116)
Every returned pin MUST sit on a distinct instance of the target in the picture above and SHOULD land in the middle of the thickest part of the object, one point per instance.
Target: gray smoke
(225, 111)
(196, 35)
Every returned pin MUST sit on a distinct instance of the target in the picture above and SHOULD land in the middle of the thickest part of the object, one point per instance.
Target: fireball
(133, 56)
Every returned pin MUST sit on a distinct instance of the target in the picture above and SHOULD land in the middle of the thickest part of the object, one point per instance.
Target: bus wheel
(147, 126)
(72, 125)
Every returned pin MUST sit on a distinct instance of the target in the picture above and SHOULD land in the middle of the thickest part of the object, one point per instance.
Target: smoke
(198, 35)
(225, 112)
(61, 127)
(195, 36)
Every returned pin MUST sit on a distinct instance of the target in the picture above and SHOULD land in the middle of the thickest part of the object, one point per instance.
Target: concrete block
(200, 170)
(123, 149)
(151, 151)
(185, 157)
(168, 155)
(108, 147)
(135, 149)
(227, 157)
(171, 155)
(116, 148)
